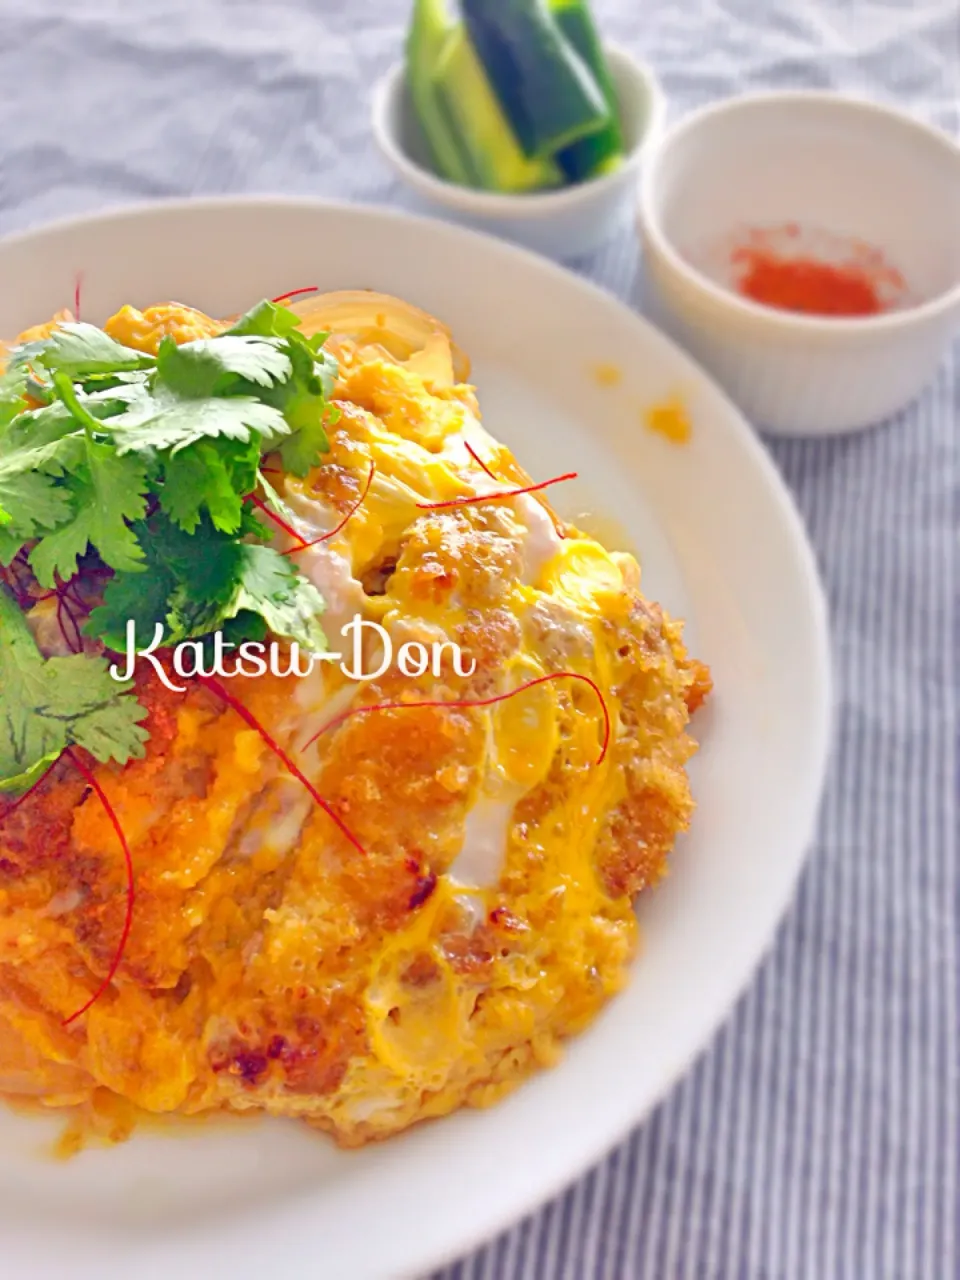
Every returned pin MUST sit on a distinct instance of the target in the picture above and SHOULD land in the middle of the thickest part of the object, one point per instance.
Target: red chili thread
(15, 584)
(76, 294)
(282, 524)
(63, 608)
(479, 702)
(478, 460)
(20, 568)
(480, 463)
(73, 591)
(65, 603)
(67, 600)
(131, 888)
(12, 808)
(496, 497)
(295, 293)
(349, 516)
(250, 719)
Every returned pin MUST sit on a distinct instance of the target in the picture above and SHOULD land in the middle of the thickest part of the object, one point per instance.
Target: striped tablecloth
(819, 1138)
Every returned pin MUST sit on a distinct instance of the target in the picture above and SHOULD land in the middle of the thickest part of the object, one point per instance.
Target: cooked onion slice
(408, 334)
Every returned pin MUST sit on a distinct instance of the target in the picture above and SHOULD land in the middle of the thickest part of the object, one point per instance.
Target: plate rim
(808, 579)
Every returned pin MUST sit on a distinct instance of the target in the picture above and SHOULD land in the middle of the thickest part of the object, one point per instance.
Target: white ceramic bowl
(561, 224)
(846, 167)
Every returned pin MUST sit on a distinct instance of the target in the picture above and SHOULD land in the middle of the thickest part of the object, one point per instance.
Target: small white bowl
(559, 224)
(848, 168)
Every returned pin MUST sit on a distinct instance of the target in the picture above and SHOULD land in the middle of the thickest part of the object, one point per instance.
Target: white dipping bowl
(560, 224)
(848, 168)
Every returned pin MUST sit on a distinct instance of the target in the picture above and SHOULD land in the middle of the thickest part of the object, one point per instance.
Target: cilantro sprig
(199, 582)
(143, 465)
(49, 704)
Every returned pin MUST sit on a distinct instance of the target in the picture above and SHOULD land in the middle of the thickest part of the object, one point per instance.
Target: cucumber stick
(468, 101)
(548, 93)
(430, 31)
(470, 139)
(602, 151)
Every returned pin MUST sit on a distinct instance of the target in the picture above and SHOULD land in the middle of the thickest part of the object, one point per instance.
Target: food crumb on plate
(669, 419)
(607, 375)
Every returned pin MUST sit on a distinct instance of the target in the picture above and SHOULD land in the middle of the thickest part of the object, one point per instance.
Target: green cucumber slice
(603, 151)
(549, 95)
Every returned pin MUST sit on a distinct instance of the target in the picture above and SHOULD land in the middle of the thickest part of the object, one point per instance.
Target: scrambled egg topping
(272, 966)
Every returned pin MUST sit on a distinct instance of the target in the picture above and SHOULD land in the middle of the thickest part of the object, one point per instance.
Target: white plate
(720, 543)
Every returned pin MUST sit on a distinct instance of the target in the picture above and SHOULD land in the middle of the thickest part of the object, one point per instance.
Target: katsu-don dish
(332, 759)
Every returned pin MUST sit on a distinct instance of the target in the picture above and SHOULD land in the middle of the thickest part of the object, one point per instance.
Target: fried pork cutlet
(482, 911)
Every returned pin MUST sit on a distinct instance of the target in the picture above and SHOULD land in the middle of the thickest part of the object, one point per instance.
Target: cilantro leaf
(48, 704)
(57, 419)
(244, 626)
(30, 499)
(211, 476)
(30, 502)
(141, 598)
(302, 451)
(36, 427)
(303, 399)
(13, 388)
(109, 727)
(325, 366)
(243, 462)
(198, 583)
(196, 478)
(169, 421)
(79, 349)
(305, 406)
(30, 775)
(207, 366)
(172, 556)
(266, 320)
(287, 601)
(10, 544)
(107, 491)
(242, 578)
(53, 457)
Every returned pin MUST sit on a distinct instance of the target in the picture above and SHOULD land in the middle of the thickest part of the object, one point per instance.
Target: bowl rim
(756, 313)
(518, 204)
